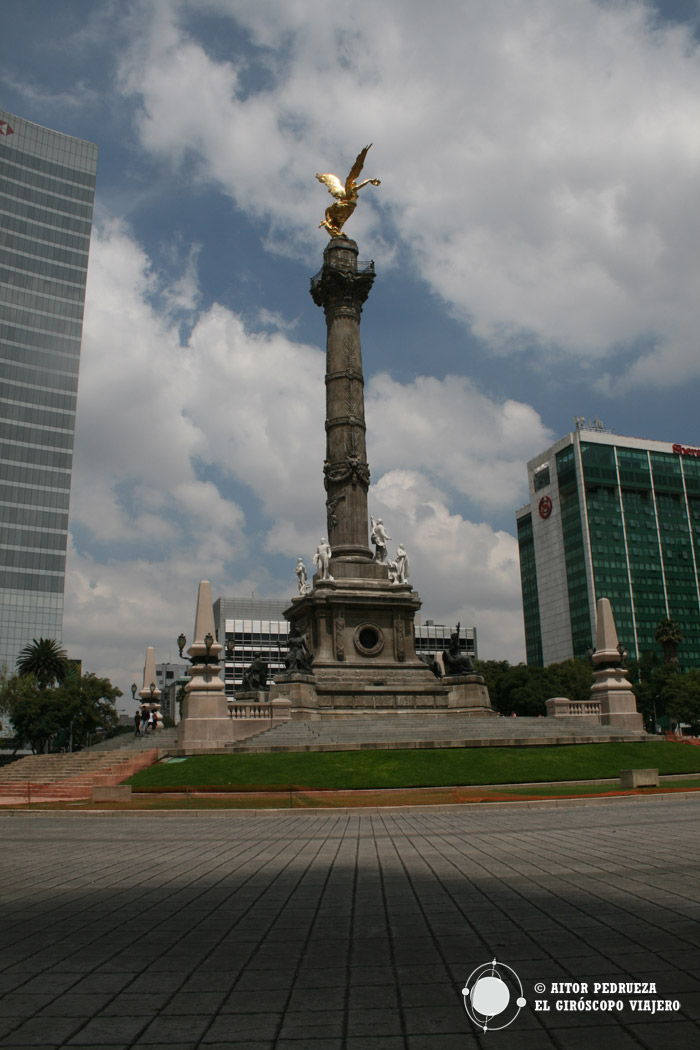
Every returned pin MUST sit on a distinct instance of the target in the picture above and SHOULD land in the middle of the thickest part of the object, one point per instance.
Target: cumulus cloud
(463, 570)
(473, 444)
(539, 161)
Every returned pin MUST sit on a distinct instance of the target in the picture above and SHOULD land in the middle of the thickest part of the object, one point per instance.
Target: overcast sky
(536, 241)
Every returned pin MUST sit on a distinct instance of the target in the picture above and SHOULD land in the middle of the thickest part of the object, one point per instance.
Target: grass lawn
(421, 768)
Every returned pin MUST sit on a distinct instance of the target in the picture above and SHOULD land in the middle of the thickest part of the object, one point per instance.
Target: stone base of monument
(205, 723)
(469, 694)
(618, 704)
(349, 692)
(361, 632)
(294, 688)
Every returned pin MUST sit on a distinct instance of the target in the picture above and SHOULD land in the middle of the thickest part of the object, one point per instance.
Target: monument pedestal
(469, 694)
(618, 704)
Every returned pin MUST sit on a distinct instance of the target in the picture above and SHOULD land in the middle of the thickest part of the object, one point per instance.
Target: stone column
(150, 701)
(341, 288)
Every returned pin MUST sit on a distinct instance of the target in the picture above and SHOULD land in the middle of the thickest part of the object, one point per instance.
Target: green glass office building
(46, 199)
(610, 517)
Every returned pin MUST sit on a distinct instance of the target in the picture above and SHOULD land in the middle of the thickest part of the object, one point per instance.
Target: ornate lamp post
(150, 693)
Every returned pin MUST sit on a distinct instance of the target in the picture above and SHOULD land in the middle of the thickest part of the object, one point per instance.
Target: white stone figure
(379, 538)
(403, 569)
(302, 577)
(322, 560)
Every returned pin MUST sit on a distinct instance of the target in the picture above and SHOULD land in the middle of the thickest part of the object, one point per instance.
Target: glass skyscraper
(46, 198)
(610, 517)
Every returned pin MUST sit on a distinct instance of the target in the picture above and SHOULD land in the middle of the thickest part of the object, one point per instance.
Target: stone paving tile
(247, 1044)
(255, 1002)
(19, 1005)
(109, 1030)
(315, 1024)
(239, 1027)
(73, 1005)
(308, 1043)
(344, 931)
(176, 1029)
(36, 1031)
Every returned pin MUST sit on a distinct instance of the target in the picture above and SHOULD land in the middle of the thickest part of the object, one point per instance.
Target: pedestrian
(137, 724)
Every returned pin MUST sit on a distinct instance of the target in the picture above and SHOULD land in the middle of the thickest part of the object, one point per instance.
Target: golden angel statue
(346, 196)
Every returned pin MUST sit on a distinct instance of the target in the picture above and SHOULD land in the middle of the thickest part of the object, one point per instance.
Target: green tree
(570, 678)
(87, 702)
(74, 709)
(669, 636)
(45, 660)
(33, 711)
(681, 697)
(649, 681)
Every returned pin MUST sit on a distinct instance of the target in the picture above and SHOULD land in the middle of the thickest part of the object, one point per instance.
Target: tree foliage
(45, 660)
(523, 690)
(73, 710)
(681, 697)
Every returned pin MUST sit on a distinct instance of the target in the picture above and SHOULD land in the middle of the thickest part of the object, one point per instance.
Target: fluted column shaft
(341, 290)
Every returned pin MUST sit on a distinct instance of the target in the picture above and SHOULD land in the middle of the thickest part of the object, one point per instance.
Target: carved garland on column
(339, 635)
(399, 638)
(331, 505)
(351, 469)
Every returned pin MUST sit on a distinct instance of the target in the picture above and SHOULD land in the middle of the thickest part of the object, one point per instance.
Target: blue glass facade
(47, 190)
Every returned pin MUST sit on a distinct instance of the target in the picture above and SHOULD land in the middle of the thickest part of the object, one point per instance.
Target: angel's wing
(335, 186)
(358, 165)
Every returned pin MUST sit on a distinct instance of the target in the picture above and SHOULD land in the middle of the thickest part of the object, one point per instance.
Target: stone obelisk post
(205, 723)
(611, 686)
(341, 288)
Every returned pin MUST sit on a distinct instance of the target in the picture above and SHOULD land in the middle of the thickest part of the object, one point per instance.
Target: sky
(535, 237)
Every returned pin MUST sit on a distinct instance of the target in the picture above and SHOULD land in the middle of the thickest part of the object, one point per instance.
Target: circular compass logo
(493, 991)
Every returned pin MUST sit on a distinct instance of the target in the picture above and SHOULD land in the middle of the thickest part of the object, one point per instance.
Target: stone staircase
(41, 778)
(420, 731)
(163, 740)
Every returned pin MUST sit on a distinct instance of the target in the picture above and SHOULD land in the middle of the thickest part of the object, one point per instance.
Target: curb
(451, 808)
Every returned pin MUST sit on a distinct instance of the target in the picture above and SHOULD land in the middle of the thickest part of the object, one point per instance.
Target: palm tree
(45, 659)
(669, 636)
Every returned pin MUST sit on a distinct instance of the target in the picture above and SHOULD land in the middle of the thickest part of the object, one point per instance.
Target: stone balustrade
(562, 707)
(246, 709)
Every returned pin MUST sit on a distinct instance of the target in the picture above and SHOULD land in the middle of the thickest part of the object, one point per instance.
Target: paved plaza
(349, 932)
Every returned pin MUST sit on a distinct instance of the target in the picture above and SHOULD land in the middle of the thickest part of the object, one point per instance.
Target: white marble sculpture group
(399, 569)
